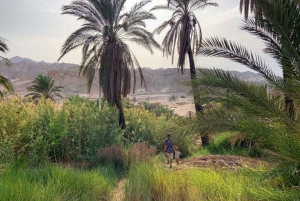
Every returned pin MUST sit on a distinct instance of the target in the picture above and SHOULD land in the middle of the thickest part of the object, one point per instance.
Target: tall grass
(223, 144)
(146, 182)
(56, 183)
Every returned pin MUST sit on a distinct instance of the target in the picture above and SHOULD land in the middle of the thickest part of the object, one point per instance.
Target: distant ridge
(24, 70)
(18, 59)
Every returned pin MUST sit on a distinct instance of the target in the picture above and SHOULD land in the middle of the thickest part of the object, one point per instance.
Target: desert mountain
(24, 70)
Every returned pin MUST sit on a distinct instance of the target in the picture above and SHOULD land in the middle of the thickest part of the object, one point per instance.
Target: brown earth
(222, 161)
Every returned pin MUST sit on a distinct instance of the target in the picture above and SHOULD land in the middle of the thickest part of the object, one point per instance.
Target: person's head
(177, 148)
(168, 135)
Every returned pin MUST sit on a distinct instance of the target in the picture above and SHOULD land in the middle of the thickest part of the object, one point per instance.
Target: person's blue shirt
(169, 145)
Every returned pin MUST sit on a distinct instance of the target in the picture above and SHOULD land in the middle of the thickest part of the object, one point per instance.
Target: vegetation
(263, 121)
(202, 184)
(57, 183)
(102, 37)
(82, 148)
(185, 33)
(6, 83)
(43, 86)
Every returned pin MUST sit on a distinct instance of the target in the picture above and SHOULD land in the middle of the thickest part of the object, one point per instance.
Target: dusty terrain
(179, 102)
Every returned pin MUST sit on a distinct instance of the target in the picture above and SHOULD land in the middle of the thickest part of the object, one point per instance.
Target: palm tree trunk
(198, 106)
(193, 73)
(289, 103)
(121, 113)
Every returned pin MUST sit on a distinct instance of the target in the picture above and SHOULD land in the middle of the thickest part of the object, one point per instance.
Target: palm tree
(252, 6)
(43, 86)
(249, 5)
(184, 32)
(6, 83)
(258, 117)
(280, 33)
(102, 37)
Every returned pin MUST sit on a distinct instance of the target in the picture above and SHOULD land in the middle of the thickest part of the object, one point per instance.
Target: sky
(35, 29)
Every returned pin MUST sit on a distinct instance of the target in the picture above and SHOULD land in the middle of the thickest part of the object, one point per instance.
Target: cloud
(217, 18)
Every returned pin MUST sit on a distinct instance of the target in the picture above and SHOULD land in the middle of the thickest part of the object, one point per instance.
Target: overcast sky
(35, 29)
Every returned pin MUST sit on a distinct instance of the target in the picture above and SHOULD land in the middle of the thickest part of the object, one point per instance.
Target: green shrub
(33, 134)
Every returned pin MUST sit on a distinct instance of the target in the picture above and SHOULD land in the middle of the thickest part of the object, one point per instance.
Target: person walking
(169, 149)
(177, 155)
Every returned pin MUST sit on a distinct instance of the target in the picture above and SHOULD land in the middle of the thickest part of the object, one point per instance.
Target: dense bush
(158, 109)
(114, 155)
(146, 126)
(32, 134)
(140, 152)
(89, 128)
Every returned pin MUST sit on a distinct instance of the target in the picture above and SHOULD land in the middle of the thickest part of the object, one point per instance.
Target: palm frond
(223, 48)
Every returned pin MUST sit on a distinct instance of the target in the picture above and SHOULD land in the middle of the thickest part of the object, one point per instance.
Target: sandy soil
(181, 104)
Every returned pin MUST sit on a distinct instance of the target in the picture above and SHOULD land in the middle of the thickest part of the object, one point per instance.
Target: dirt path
(219, 161)
(118, 194)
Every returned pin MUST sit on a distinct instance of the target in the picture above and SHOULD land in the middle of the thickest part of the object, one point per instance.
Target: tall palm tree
(6, 83)
(252, 6)
(184, 33)
(259, 117)
(43, 86)
(102, 37)
(279, 29)
(249, 5)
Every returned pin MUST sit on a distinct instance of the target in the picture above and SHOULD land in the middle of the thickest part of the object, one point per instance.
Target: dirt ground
(179, 102)
(221, 161)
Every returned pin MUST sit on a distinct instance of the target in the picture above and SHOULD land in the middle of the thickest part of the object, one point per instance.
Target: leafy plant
(43, 86)
(6, 83)
(269, 122)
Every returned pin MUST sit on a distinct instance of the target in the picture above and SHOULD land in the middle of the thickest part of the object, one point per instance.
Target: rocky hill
(24, 70)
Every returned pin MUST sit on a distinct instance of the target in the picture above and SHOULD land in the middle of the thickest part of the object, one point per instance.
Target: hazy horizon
(35, 29)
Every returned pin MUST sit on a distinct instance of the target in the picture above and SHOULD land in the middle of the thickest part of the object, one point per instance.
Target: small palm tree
(6, 83)
(184, 33)
(43, 86)
(102, 38)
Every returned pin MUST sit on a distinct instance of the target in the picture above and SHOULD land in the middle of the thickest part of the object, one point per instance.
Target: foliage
(184, 35)
(158, 109)
(43, 86)
(33, 134)
(146, 182)
(185, 32)
(6, 83)
(225, 144)
(172, 98)
(114, 155)
(89, 128)
(260, 120)
(146, 126)
(140, 152)
(57, 183)
(102, 36)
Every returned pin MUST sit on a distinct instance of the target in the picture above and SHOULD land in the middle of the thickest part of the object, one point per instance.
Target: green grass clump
(56, 183)
(220, 144)
(146, 182)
